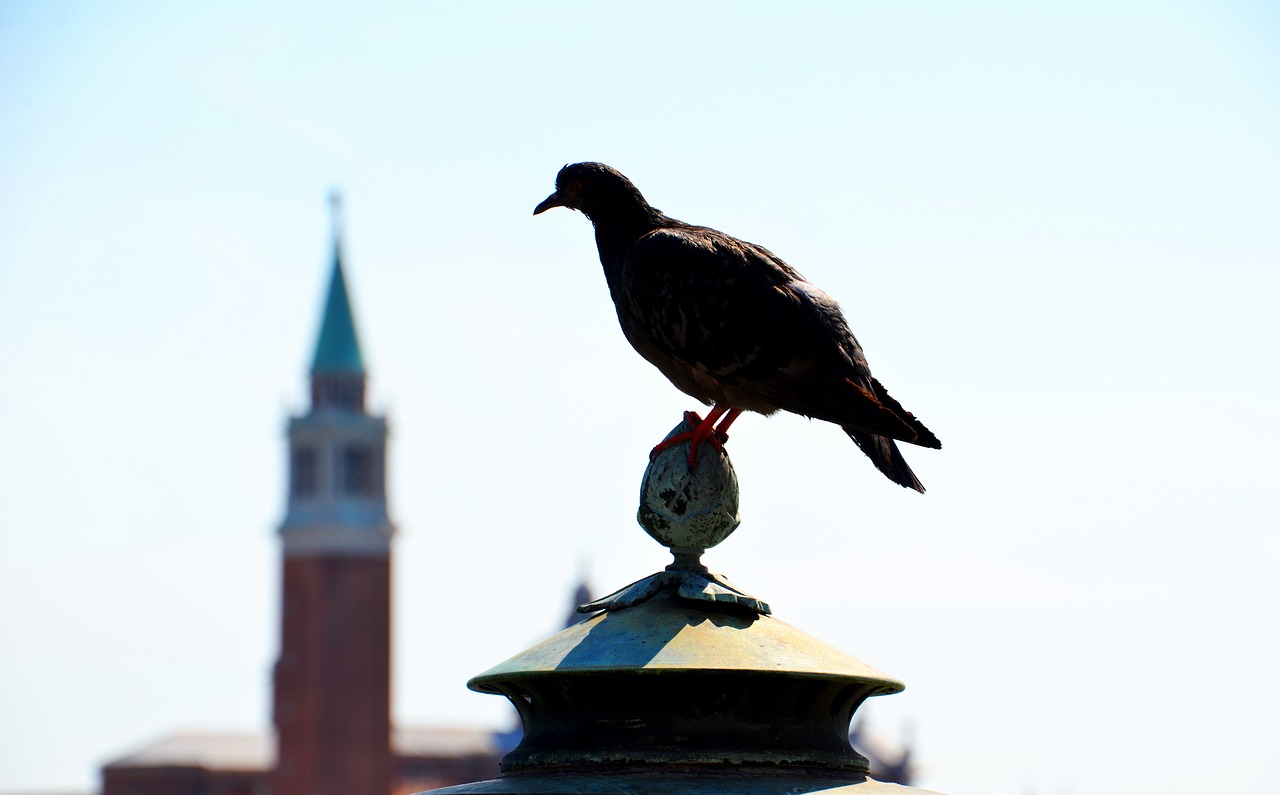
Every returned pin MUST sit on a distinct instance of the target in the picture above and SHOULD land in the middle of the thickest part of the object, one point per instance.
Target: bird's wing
(734, 313)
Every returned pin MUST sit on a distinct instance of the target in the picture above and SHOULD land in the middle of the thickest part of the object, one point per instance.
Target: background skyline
(1052, 228)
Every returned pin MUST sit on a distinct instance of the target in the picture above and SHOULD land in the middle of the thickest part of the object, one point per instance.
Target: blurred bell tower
(332, 705)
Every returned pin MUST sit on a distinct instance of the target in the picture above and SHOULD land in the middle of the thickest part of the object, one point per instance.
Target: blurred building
(889, 761)
(332, 680)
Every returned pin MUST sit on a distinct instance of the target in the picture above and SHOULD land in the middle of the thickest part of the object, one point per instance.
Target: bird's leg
(722, 430)
(702, 431)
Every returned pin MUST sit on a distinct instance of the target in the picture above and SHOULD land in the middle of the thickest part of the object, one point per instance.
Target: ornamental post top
(682, 683)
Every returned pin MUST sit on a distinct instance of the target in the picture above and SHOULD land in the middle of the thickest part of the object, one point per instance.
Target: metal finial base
(690, 584)
(687, 511)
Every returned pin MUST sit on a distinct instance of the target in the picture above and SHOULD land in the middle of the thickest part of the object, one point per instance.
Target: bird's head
(595, 190)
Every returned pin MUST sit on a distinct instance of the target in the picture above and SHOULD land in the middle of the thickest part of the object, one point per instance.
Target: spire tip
(335, 213)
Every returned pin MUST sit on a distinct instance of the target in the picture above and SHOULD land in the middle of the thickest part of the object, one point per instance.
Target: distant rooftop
(443, 741)
(250, 752)
(207, 750)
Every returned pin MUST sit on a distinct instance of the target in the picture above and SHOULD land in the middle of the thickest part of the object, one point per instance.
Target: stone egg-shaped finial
(686, 510)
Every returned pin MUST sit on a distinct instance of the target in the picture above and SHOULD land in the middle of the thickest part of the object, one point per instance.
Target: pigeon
(731, 324)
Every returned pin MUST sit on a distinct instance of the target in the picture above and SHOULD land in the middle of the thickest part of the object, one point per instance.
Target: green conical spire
(338, 349)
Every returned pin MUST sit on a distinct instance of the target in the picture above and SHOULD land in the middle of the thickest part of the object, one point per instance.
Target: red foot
(703, 431)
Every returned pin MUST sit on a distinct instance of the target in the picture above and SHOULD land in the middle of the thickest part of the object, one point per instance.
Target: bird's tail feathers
(924, 436)
(887, 457)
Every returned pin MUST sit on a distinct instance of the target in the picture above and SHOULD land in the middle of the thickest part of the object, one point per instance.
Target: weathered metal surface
(689, 510)
(673, 683)
(674, 782)
(667, 634)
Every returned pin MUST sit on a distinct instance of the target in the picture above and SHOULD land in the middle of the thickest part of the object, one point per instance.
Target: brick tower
(332, 709)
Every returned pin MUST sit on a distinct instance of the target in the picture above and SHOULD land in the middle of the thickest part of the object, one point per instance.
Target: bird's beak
(554, 200)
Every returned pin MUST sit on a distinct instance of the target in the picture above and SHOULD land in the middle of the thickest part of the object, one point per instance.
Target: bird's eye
(576, 187)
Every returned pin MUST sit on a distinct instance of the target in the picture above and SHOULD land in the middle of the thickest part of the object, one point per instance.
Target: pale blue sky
(1053, 228)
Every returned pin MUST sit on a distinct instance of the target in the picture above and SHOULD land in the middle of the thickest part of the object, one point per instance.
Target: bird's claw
(694, 436)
